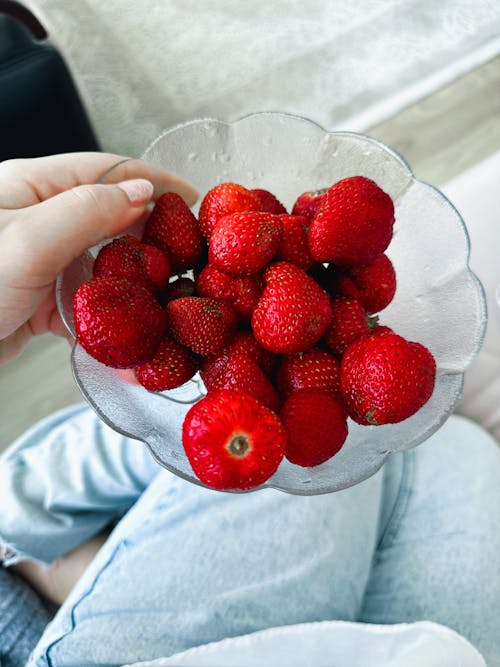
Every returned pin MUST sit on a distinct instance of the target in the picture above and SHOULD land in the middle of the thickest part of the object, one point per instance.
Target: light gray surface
(152, 64)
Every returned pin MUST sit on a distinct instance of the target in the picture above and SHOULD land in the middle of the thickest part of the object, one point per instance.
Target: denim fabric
(186, 566)
(65, 479)
(439, 555)
(23, 618)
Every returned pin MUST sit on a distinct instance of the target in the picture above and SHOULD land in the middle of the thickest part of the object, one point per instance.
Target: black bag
(41, 112)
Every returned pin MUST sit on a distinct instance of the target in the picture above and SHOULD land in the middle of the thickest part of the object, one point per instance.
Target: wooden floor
(440, 136)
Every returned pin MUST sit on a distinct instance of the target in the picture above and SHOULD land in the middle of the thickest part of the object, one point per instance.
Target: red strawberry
(118, 323)
(173, 228)
(222, 200)
(178, 288)
(313, 369)
(293, 312)
(243, 243)
(348, 322)
(269, 202)
(243, 343)
(157, 265)
(215, 284)
(385, 379)
(373, 285)
(316, 424)
(293, 246)
(202, 324)
(232, 441)
(309, 203)
(380, 329)
(212, 367)
(141, 264)
(243, 293)
(354, 224)
(248, 291)
(172, 366)
(243, 374)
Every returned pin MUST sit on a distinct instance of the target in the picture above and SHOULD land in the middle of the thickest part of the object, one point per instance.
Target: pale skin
(51, 210)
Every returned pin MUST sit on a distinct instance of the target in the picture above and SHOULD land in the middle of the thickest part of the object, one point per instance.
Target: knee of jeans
(464, 443)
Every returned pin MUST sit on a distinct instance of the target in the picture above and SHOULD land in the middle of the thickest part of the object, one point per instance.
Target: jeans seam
(123, 543)
(401, 503)
(85, 595)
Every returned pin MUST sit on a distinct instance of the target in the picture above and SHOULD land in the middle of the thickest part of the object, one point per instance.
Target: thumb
(59, 229)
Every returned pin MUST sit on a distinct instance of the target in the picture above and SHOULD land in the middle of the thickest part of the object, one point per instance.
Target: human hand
(51, 210)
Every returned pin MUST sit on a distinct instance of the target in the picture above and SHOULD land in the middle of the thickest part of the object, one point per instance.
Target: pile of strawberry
(276, 314)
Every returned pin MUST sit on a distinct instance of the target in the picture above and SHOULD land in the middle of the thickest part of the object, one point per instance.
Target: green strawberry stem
(372, 321)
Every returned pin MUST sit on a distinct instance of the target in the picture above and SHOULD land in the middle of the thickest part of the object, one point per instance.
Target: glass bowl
(439, 302)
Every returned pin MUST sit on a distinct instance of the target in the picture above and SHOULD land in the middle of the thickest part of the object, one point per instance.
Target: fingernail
(138, 190)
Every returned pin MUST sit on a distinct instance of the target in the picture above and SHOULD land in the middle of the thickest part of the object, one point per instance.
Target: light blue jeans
(185, 566)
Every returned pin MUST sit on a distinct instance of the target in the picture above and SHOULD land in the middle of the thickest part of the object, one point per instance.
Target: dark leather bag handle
(22, 14)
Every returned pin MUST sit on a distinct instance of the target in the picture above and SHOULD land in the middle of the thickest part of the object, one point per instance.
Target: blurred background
(423, 77)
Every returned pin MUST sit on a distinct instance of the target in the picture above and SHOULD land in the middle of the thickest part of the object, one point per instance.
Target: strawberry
(212, 367)
(243, 343)
(232, 441)
(178, 288)
(173, 228)
(172, 366)
(215, 284)
(243, 293)
(243, 374)
(373, 285)
(293, 246)
(248, 291)
(292, 313)
(309, 203)
(354, 224)
(380, 329)
(385, 379)
(118, 323)
(268, 202)
(203, 325)
(243, 243)
(313, 440)
(222, 200)
(157, 265)
(313, 369)
(348, 322)
(141, 264)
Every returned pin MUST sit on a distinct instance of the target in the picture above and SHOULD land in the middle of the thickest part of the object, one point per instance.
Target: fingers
(43, 239)
(162, 180)
(27, 182)
(12, 346)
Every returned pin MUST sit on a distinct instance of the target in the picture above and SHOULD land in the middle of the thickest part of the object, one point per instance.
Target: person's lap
(186, 565)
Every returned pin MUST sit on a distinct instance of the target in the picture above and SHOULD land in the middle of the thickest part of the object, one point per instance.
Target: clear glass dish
(439, 301)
